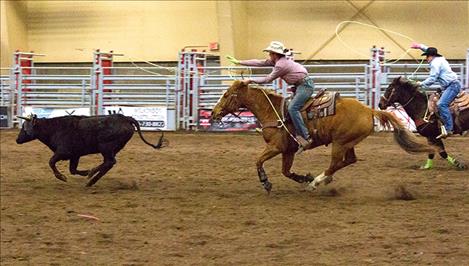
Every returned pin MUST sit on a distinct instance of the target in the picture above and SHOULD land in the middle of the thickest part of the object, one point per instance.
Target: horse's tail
(402, 135)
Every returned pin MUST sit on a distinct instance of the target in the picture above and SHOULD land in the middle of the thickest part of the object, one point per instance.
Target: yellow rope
(371, 26)
(279, 118)
(231, 70)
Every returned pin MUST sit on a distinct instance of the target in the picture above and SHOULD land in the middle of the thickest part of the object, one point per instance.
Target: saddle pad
(322, 106)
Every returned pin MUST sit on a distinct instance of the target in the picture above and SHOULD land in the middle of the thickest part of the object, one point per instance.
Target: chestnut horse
(352, 123)
(415, 103)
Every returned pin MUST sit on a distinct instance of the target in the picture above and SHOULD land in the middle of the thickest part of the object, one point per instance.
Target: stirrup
(444, 134)
(303, 144)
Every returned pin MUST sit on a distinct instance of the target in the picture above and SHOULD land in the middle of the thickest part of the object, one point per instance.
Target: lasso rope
(413, 74)
(170, 69)
(375, 27)
(279, 118)
(231, 70)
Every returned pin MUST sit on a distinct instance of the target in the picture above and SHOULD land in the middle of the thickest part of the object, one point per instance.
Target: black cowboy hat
(431, 51)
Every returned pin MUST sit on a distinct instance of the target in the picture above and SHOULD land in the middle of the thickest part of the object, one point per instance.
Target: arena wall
(68, 31)
(13, 30)
(308, 25)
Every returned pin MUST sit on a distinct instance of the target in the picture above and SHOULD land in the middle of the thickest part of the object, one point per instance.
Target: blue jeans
(447, 96)
(303, 93)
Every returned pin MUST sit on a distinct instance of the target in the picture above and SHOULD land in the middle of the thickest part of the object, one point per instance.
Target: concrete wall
(143, 30)
(14, 32)
(308, 26)
(68, 31)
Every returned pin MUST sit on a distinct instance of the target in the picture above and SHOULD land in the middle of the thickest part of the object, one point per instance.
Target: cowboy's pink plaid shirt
(286, 69)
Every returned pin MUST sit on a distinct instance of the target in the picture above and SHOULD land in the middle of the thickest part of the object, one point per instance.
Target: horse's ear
(400, 80)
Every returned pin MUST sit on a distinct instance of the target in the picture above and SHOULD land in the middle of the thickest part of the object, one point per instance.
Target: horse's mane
(410, 86)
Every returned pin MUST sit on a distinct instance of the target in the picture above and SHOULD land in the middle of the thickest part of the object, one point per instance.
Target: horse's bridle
(235, 95)
(392, 93)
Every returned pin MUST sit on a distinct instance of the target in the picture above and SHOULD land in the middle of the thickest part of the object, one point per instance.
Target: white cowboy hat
(275, 47)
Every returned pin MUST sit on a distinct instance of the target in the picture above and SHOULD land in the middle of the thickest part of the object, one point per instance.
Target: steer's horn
(24, 117)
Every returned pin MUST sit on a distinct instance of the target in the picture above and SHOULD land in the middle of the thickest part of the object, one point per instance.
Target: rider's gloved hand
(232, 60)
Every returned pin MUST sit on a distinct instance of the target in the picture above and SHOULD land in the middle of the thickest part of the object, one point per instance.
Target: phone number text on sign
(157, 124)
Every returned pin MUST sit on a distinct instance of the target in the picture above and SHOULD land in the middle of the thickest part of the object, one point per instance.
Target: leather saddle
(460, 103)
(321, 105)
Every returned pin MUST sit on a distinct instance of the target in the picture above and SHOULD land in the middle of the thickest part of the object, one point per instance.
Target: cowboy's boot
(303, 144)
(444, 134)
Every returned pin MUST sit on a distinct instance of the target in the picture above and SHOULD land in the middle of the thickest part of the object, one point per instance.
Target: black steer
(71, 137)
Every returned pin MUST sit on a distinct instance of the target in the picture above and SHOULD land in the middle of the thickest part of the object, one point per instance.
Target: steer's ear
(33, 118)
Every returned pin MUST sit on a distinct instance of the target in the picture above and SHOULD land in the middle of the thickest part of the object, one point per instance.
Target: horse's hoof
(309, 178)
(424, 167)
(462, 166)
(311, 186)
(267, 186)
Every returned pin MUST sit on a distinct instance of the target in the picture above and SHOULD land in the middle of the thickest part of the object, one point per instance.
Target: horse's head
(400, 91)
(229, 102)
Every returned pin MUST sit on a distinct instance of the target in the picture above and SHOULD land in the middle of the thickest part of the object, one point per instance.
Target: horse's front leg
(287, 162)
(268, 153)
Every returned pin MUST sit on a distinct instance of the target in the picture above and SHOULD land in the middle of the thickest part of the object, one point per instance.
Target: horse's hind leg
(268, 153)
(287, 162)
(443, 154)
(341, 157)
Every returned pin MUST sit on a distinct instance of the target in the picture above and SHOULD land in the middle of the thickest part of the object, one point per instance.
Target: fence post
(372, 83)
(467, 68)
(376, 61)
(178, 90)
(380, 76)
(83, 92)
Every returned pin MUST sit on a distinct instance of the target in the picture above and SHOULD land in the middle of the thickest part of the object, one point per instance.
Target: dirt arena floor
(199, 202)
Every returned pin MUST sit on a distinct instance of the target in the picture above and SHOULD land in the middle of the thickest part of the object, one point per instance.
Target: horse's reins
(392, 92)
(279, 118)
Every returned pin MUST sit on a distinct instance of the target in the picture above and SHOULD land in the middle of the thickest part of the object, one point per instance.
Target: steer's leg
(73, 167)
(109, 162)
(53, 160)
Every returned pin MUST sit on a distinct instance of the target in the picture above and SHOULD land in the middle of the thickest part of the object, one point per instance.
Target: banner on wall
(44, 112)
(245, 122)
(149, 118)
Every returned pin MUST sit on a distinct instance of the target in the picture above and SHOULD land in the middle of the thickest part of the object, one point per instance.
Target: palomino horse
(415, 103)
(352, 123)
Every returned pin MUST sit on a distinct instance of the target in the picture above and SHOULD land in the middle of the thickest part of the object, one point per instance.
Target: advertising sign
(149, 118)
(246, 121)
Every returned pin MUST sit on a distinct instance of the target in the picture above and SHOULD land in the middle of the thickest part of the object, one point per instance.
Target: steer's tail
(160, 141)
(402, 135)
